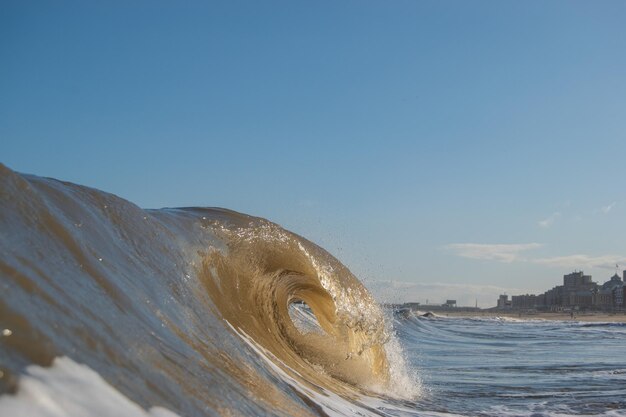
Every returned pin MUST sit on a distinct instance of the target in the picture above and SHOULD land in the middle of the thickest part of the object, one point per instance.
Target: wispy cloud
(492, 252)
(549, 221)
(581, 261)
(606, 209)
(513, 253)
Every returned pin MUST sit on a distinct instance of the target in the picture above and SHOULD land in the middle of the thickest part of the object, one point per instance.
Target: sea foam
(70, 389)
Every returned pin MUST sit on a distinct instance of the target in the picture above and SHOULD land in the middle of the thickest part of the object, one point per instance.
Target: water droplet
(7, 332)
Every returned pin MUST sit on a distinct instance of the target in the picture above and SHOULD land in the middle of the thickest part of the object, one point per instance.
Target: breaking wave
(196, 310)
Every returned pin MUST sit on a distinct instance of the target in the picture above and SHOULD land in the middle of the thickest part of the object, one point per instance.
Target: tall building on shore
(504, 302)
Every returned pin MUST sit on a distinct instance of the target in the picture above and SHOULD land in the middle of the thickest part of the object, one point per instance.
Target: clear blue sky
(409, 138)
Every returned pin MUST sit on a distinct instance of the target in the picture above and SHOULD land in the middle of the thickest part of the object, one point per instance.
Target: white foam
(404, 381)
(69, 389)
(333, 404)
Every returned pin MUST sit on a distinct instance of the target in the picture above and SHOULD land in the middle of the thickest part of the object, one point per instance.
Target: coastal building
(577, 279)
(610, 294)
(603, 299)
(504, 302)
(552, 298)
(578, 292)
(528, 301)
(618, 298)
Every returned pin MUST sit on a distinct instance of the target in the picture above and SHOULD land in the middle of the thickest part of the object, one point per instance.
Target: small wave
(601, 324)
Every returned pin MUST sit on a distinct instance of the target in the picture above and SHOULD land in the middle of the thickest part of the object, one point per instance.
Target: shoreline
(586, 317)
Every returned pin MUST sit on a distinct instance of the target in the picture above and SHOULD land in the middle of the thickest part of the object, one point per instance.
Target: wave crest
(264, 269)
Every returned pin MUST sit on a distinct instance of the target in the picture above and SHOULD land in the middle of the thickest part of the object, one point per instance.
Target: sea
(108, 309)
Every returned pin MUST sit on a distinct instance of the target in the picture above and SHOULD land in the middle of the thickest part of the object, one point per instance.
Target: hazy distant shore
(588, 316)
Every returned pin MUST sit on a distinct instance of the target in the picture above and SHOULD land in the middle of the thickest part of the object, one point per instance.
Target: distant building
(450, 303)
(576, 280)
(528, 301)
(577, 292)
(610, 296)
(553, 298)
(504, 302)
(618, 298)
(603, 299)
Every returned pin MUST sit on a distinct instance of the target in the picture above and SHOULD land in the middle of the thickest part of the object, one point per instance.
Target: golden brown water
(182, 308)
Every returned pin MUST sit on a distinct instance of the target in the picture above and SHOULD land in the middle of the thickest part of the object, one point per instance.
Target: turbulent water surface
(107, 309)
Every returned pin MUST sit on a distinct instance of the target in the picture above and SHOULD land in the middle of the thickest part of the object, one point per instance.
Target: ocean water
(509, 367)
(107, 309)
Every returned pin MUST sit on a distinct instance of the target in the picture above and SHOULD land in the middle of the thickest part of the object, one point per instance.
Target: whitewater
(108, 309)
